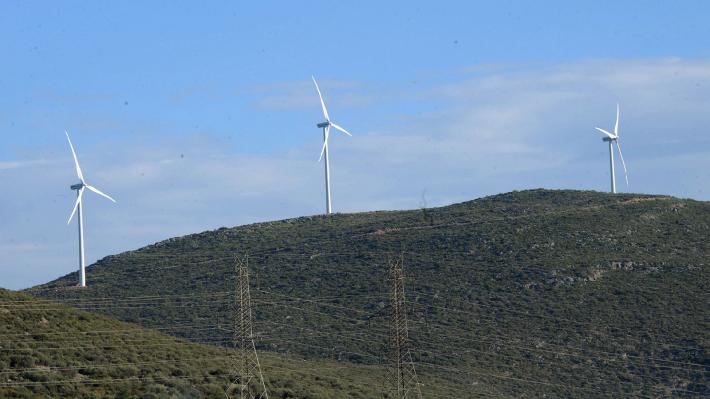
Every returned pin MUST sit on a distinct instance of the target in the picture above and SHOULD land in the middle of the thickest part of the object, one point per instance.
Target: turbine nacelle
(77, 186)
(323, 124)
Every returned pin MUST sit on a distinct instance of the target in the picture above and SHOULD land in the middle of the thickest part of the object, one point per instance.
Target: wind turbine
(78, 205)
(324, 151)
(613, 138)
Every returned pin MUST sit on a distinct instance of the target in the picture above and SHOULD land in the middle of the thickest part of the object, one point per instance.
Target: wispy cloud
(474, 135)
(6, 165)
(302, 94)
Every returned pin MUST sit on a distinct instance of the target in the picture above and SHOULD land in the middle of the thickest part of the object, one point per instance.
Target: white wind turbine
(612, 138)
(324, 151)
(79, 187)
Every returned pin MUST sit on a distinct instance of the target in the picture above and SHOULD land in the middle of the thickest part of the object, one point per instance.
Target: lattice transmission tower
(248, 382)
(402, 380)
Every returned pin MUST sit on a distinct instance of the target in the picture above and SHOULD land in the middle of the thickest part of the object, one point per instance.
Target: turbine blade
(341, 129)
(322, 151)
(322, 103)
(616, 126)
(76, 204)
(611, 136)
(96, 190)
(76, 160)
(325, 143)
(626, 175)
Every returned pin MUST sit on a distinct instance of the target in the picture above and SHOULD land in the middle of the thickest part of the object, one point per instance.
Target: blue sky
(200, 116)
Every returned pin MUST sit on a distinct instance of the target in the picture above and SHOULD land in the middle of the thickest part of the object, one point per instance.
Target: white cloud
(9, 165)
(301, 95)
(6, 165)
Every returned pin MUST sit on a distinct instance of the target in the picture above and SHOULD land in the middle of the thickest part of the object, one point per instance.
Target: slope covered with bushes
(50, 350)
(566, 293)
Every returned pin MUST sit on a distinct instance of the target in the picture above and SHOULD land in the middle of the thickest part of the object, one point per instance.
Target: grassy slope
(50, 350)
(574, 294)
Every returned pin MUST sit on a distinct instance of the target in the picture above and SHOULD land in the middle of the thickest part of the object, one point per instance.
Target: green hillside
(50, 350)
(562, 293)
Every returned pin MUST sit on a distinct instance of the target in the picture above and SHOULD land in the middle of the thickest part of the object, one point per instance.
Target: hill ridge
(602, 291)
(632, 197)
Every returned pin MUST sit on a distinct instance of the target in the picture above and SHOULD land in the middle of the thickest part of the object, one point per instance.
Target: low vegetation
(50, 350)
(563, 293)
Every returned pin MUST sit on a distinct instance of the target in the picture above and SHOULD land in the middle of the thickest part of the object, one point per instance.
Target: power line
(500, 336)
(314, 300)
(444, 366)
(456, 355)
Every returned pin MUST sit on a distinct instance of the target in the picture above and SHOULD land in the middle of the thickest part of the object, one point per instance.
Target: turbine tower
(324, 151)
(613, 138)
(78, 205)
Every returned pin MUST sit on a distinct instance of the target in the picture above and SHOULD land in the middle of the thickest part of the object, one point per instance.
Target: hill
(562, 293)
(51, 350)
